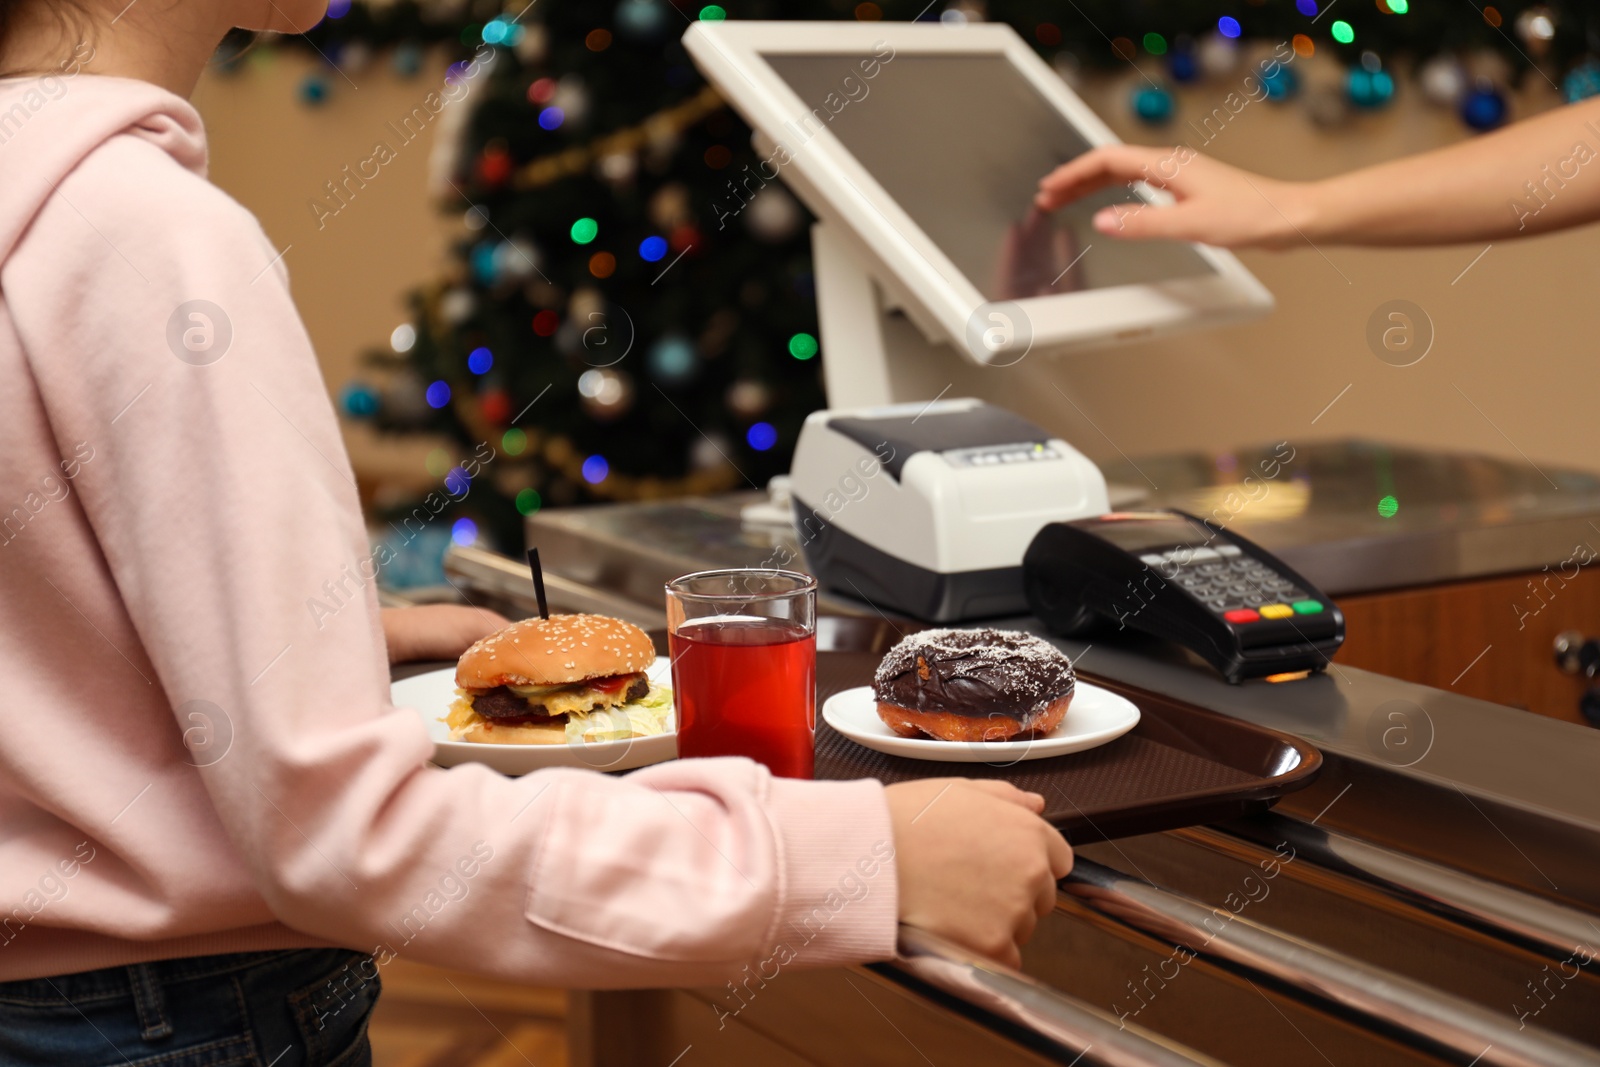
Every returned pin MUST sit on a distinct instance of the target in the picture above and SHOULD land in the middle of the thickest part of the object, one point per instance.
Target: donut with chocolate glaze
(973, 685)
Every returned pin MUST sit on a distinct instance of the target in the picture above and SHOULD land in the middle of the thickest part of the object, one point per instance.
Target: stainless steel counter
(1453, 517)
(1357, 516)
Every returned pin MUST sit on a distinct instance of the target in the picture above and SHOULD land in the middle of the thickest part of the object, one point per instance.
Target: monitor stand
(872, 352)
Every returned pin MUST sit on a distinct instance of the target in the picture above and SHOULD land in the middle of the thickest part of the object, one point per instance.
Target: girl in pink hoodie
(214, 828)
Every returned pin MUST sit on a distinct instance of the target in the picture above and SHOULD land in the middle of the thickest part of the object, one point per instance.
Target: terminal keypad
(1239, 588)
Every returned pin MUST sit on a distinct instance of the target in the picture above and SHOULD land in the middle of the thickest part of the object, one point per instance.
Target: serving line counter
(1434, 897)
(1456, 571)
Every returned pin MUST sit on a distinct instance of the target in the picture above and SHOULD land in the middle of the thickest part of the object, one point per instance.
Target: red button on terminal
(1242, 615)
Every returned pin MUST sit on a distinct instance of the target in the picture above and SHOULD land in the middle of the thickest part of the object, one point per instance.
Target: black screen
(960, 142)
(1142, 531)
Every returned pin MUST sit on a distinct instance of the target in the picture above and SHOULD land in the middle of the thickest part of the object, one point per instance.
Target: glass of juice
(744, 665)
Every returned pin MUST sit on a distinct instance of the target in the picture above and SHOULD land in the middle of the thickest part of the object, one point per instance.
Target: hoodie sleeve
(157, 322)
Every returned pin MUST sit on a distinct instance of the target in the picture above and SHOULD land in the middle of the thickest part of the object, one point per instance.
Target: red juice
(746, 687)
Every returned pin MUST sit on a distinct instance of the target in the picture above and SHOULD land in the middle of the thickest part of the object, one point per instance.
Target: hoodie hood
(49, 124)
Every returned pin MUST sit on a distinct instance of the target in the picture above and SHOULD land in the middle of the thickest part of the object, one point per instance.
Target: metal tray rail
(1065, 1026)
(1444, 1024)
(1510, 915)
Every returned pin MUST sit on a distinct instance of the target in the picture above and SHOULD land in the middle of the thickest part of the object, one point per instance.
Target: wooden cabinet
(1491, 638)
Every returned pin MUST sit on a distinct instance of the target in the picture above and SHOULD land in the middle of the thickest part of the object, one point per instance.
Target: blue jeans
(303, 1008)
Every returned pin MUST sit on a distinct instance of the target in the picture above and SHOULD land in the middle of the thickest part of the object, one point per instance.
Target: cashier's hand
(1216, 204)
(976, 863)
(436, 631)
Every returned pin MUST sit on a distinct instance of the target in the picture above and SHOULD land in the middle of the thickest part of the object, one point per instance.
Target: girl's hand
(1216, 204)
(436, 631)
(975, 862)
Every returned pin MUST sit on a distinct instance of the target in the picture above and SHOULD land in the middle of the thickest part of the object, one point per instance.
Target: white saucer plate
(431, 694)
(1094, 717)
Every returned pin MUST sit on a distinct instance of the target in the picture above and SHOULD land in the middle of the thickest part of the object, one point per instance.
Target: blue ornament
(641, 18)
(761, 436)
(485, 264)
(314, 90)
(408, 59)
(1484, 108)
(1582, 81)
(1153, 105)
(1369, 88)
(1282, 84)
(1181, 64)
(358, 400)
(671, 359)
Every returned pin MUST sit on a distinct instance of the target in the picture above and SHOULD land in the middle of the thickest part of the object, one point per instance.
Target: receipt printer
(927, 508)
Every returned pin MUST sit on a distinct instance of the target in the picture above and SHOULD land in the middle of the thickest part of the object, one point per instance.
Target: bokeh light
(551, 118)
(651, 249)
(585, 230)
(1388, 506)
(1342, 31)
(514, 442)
(1228, 26)
(1155, 44)
(480, 360)
(596, 469)
(802, 346)
(528, 501)
(542, 91)
(438, 394)
(464, 532)
(761, 436)
(403, 337)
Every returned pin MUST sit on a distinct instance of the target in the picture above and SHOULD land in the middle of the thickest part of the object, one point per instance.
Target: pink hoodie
(192, 762)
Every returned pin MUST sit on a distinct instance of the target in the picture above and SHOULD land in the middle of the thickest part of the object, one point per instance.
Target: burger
(568, 678)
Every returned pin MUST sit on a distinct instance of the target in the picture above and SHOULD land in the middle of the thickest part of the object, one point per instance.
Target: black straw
(538, 582)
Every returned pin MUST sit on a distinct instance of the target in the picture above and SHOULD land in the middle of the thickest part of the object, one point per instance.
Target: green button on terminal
(1308, 607)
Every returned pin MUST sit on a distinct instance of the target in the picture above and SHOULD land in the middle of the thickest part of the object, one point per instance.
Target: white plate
(1094, 717)
(431, 694)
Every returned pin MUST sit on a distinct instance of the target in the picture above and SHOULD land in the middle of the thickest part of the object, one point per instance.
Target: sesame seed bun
(559, 650)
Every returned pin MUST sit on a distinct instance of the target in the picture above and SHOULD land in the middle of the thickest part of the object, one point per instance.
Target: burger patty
(501, 705)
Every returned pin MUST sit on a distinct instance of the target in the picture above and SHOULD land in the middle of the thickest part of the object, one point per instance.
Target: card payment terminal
(1178, 577)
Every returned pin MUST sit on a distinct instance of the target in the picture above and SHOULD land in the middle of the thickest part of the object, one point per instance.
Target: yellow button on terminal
(1275, 611)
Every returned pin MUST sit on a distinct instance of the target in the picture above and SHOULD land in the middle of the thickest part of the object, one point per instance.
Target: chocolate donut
(973, 685)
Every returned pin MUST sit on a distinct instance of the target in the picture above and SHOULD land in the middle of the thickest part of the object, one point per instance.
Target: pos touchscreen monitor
(925, 144)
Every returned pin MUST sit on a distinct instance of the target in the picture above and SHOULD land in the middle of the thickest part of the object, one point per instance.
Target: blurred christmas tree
(625, 320)
(632, 313)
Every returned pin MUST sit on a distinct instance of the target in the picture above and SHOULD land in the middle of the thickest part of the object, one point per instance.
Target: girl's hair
(70, 17)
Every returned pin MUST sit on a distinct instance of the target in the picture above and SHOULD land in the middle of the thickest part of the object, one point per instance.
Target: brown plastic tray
(1180, 766)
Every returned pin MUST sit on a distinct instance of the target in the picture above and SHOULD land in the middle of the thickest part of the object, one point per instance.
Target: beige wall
(1516, 335)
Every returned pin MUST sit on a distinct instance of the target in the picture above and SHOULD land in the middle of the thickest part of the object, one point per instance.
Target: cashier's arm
(1538, 175)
